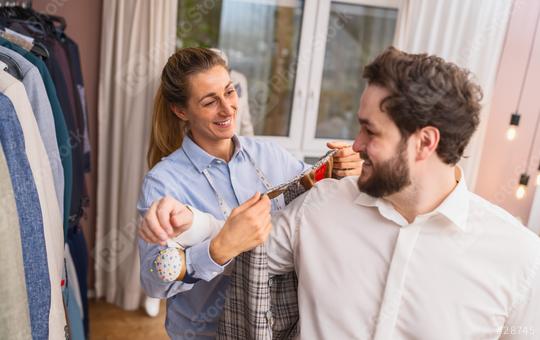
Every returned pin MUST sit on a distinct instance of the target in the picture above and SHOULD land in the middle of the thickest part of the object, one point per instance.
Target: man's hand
(346, 161)
(166, 218)
(248, 226)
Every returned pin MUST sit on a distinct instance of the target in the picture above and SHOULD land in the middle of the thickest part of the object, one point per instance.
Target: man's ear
(179, 112)
(427, 140)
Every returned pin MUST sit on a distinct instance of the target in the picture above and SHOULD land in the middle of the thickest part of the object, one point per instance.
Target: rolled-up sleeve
(199, 263)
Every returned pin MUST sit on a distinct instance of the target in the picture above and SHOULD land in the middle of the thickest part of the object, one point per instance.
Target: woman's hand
(166, 218)
(248, 226)
(346, 161)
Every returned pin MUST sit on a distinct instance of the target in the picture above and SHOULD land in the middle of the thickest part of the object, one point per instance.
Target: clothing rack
(24, 3)
(44, 107)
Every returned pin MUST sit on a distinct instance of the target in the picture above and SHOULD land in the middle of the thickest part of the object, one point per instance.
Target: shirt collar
(202, 159)
(455, 207)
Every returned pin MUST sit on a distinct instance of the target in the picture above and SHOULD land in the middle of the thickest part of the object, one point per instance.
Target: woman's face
(212, 106)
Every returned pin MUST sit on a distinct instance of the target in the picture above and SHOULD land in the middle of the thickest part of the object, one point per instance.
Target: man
(405, 250)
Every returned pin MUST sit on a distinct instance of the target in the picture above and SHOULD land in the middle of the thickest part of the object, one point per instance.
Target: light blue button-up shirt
(193, 310)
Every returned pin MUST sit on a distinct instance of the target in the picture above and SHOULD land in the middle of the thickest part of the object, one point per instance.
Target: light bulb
(521, 191)
(514, 123)
(511, 132)
(522, 188)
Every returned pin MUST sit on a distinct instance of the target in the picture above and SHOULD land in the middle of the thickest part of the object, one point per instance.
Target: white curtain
(137, 38)
(470, 33)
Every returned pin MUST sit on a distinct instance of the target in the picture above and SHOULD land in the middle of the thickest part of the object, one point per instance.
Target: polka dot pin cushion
(168, 263)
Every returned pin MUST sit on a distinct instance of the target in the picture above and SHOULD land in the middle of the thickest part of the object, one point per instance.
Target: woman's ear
(179, 112)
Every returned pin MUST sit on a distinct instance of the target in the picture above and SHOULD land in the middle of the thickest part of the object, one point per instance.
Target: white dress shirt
(467, 270)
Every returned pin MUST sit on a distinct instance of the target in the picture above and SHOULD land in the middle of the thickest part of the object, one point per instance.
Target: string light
(512, 129)
(511, 132)
(524, 178)
(522, 188)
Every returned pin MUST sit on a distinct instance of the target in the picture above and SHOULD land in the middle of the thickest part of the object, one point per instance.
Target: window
(355, 35)
(302, 60)
(261, 39)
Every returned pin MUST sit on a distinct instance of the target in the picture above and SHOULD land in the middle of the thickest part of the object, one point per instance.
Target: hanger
(14, 12)
(60, 20)
(24, 4)
(9, 65)
(40, 50)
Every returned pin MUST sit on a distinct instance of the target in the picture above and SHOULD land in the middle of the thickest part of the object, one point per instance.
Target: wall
(83, 19)
(503, 161)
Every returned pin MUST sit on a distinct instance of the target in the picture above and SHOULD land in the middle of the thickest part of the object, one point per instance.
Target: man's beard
(388, 177)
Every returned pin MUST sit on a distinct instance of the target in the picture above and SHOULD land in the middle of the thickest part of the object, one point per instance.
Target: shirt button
(270, 282)
(269, 318)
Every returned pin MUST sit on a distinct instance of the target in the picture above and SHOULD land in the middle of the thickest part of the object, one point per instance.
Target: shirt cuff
(199, 263)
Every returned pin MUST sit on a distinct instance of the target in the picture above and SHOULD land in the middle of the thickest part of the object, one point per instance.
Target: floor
(108, 322)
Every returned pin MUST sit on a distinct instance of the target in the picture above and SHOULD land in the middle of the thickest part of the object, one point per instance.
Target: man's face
(386, 163)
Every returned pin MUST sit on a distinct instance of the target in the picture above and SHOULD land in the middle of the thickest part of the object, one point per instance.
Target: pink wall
(503, 161)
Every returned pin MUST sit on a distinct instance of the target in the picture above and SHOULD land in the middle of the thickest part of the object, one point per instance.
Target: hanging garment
(77, 244)
(14, 313)
(75, 235)
(38, 285)
(60, 125)
(72, 51)
(52, 221)
(72, 298)
(68, 64)
(33, 84)
(58, 66)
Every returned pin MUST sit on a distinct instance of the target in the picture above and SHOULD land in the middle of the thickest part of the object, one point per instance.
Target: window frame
(301, 139)
(310, 145)
(293, 141)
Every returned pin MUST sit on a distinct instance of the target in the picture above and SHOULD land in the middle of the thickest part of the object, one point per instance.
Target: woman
(196, 158)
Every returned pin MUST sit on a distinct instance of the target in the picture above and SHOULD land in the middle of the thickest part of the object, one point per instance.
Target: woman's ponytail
(168, 130)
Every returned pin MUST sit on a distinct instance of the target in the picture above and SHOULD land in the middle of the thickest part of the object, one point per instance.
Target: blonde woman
(196, 158)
